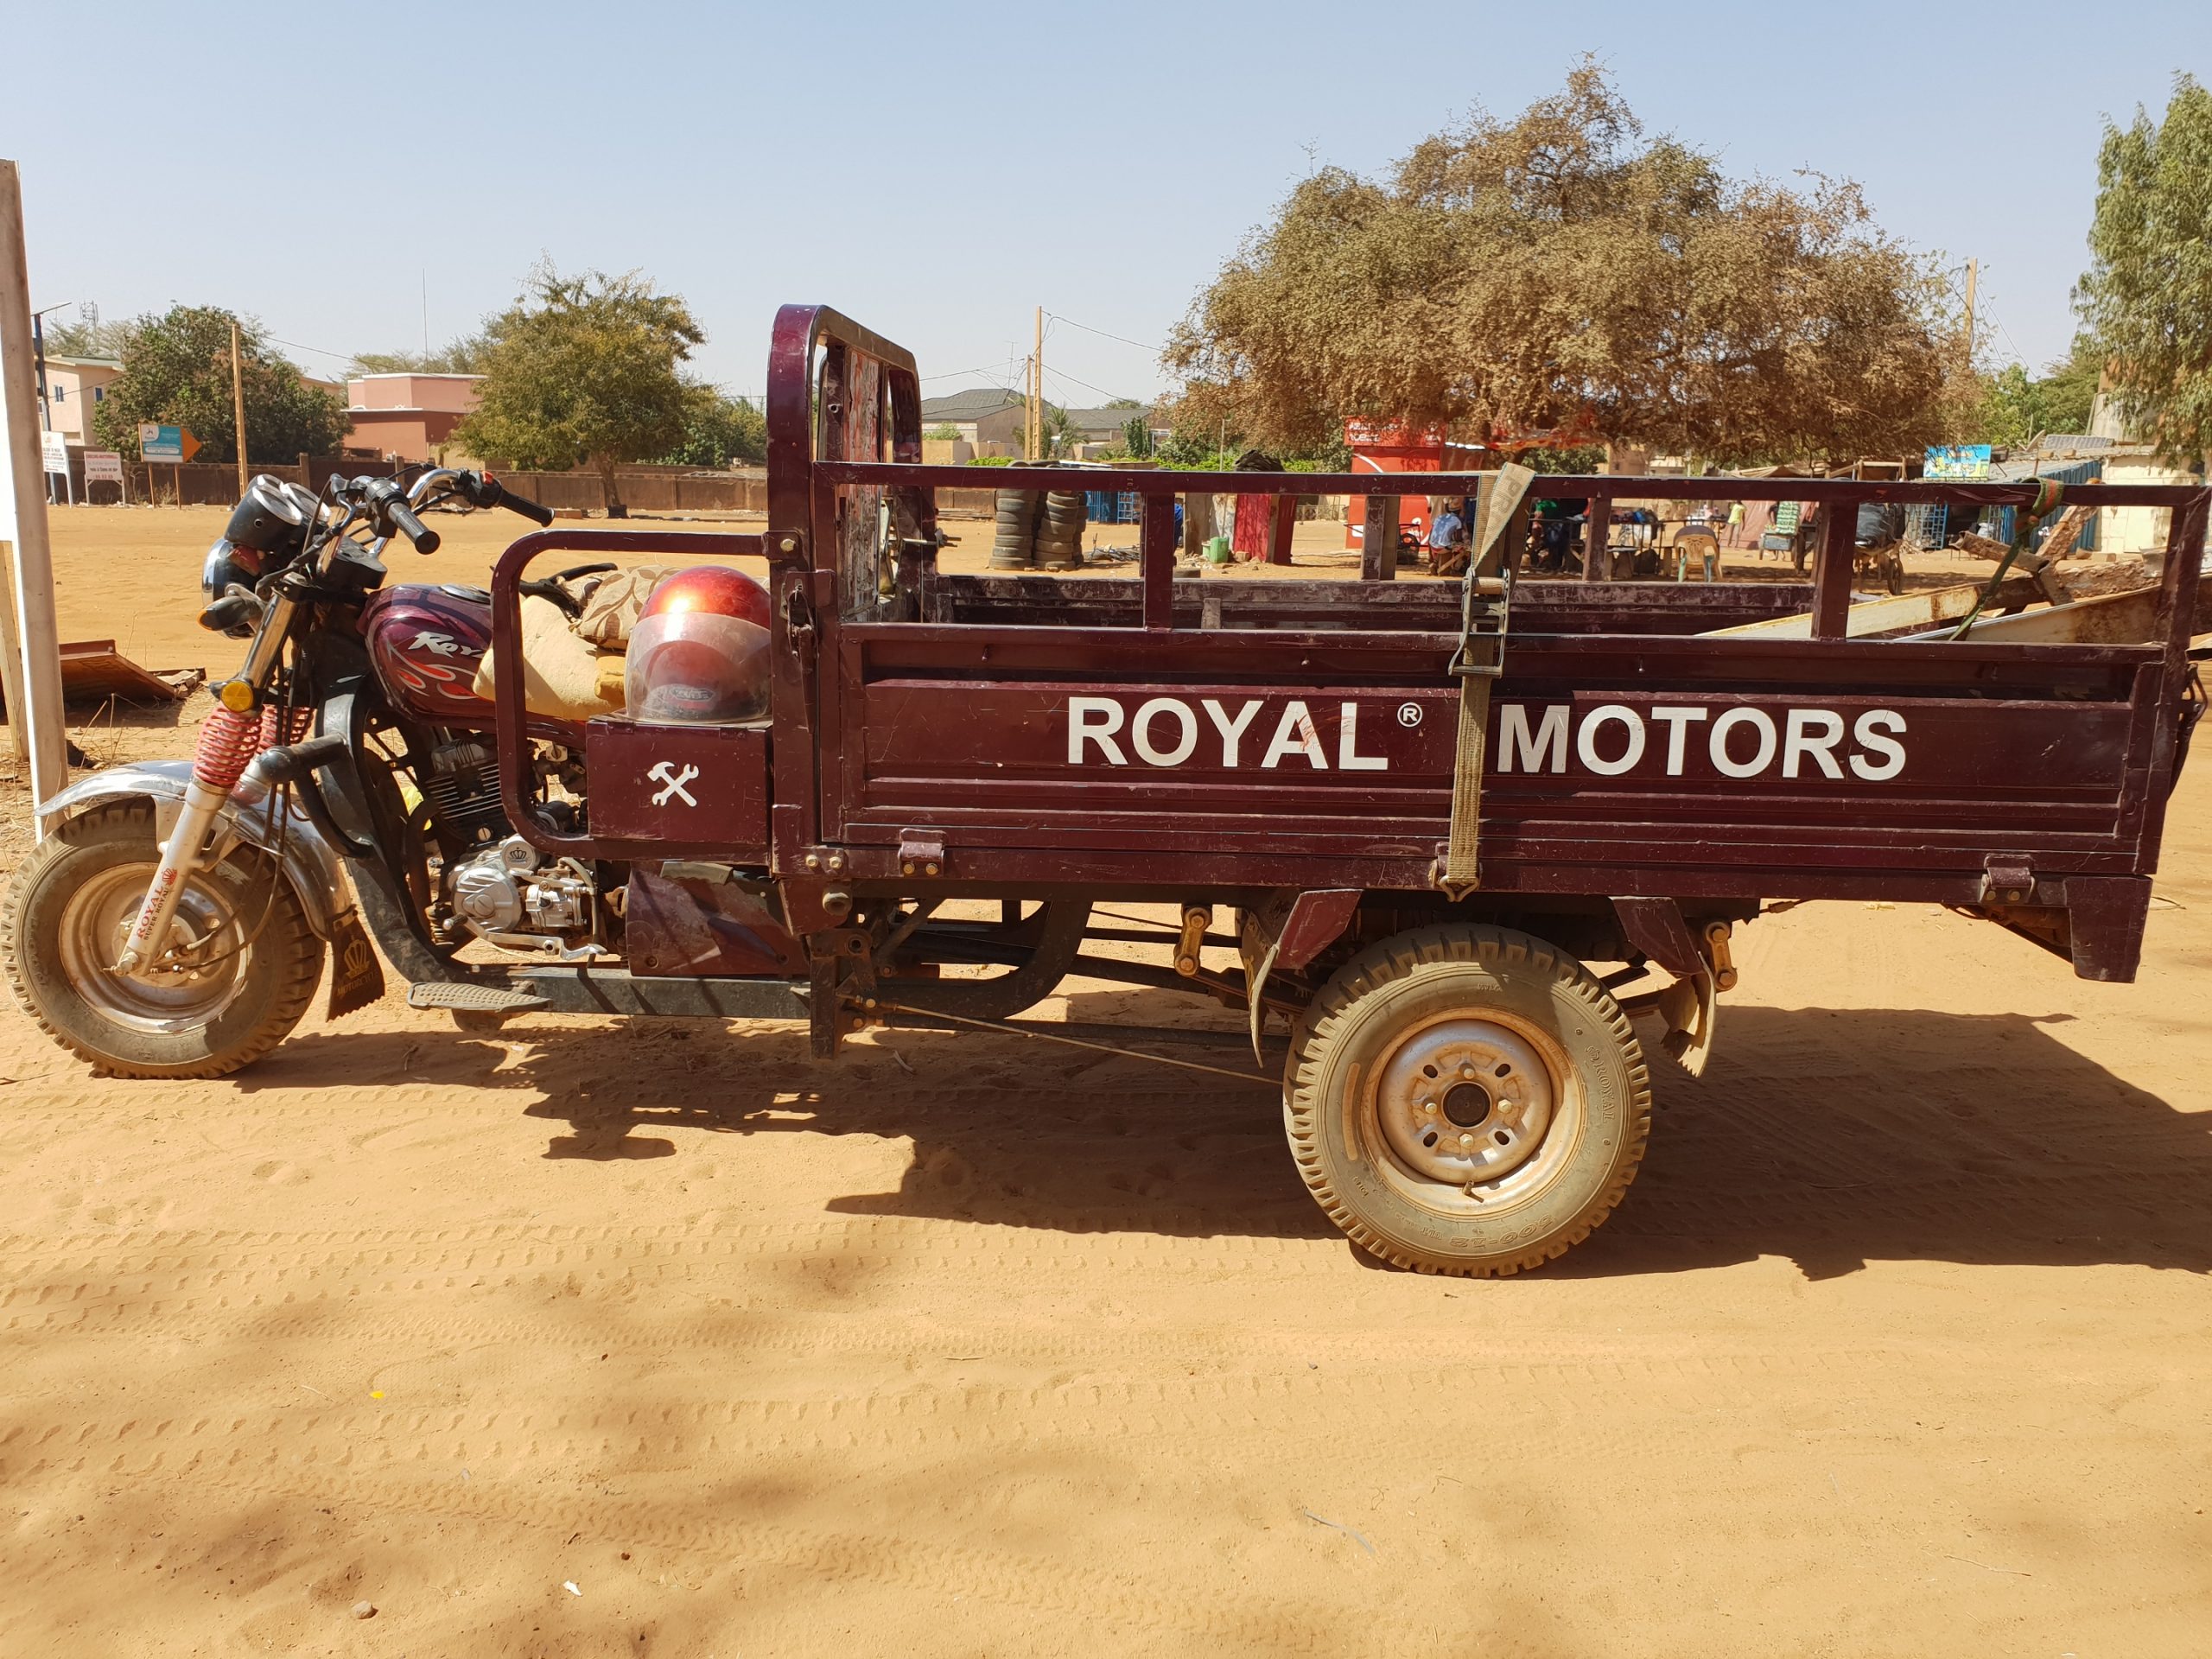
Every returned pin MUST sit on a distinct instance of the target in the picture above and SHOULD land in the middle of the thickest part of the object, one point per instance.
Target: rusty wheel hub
(1465, 1102)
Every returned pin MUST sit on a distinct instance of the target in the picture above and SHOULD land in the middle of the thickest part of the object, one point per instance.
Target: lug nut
(1466, 1139)
(1429, 1105)
(1467, 1072)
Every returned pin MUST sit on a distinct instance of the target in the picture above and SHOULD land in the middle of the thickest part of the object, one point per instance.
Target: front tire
(202, 1012)
(1467, 1100)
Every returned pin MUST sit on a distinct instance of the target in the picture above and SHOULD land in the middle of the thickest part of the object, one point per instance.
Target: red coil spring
(228, 740)
(282, 726)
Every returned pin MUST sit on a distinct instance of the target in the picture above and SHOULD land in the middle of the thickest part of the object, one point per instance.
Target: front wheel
(241, 967)
(1467, 1100)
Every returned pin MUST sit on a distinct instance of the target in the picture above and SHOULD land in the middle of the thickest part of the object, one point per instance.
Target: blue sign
(1957, 463)
(162, 442)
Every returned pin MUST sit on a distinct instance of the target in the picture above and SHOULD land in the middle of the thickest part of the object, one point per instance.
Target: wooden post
(11, 657)
(1159, 556)
(30, 635)
(1197, 522)
(1037, 393)
(1832, 581)
(1284, 528)
(1973, 271)
(1378, 539)
(1598, 539)
(237, 405)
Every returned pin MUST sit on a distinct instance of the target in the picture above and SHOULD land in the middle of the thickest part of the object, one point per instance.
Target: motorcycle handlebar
(501, 496)
(402, 517)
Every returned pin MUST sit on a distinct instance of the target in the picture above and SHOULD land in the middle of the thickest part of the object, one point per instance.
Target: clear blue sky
(937, 171)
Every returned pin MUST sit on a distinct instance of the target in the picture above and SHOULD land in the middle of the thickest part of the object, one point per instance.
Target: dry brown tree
(1562, 272)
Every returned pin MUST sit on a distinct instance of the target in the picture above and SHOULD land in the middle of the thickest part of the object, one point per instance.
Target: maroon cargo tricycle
(1465, 829)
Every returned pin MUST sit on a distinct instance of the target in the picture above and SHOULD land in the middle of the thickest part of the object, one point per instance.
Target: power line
(954, 374)
(1111, 397)
(343, 357)
(1105, 333)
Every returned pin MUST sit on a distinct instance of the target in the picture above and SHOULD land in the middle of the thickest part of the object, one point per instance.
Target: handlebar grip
(425, 539)
(542, 517)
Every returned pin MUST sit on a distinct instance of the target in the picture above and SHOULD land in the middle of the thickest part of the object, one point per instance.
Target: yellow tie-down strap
(1476, 664)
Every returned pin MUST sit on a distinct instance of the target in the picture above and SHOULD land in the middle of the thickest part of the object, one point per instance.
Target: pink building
(408, 417)
(75, 386)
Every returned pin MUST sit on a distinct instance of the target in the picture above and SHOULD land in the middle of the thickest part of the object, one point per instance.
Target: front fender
(309, 862)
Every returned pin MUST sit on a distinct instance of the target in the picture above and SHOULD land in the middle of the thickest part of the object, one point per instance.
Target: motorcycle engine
(505, 889)
(461, 784)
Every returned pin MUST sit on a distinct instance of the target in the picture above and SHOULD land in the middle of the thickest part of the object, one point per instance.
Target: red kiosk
(1379, 448)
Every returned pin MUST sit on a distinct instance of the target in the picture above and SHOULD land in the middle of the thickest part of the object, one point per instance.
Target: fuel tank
(425, 643)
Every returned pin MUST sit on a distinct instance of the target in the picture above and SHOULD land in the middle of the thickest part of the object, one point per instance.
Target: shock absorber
(229, 739)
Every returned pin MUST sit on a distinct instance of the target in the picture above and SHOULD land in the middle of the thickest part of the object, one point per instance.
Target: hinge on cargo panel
(921, 852)
(1478, 662)
(2007, 879)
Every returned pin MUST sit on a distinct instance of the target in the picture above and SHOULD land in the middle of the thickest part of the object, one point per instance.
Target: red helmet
(714, 587)
(700, 652)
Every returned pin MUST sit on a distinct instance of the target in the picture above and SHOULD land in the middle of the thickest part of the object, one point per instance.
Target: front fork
(240, 726)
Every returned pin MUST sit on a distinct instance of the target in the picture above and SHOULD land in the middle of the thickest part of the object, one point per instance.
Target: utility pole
(1037, 395)
(28, 632)
(238, 405)
(1973, 272)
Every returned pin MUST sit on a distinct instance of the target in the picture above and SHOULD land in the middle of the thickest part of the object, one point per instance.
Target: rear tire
(63, 923)
(1467, 1100)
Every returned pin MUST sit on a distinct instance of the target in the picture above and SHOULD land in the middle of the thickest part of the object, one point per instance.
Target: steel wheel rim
(1471, 1113)
(183, 990)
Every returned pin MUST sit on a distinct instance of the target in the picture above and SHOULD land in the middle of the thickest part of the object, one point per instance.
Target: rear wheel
(241, 967)
(1467, 1100)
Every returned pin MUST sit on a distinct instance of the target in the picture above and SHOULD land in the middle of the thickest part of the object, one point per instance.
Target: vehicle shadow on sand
(1832, 1137)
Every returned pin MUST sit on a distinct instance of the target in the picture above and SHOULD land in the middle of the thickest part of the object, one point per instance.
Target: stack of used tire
(1013, 546)
(1059, 533)
(1039, 528)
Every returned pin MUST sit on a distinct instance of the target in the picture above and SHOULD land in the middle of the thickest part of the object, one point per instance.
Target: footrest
(477, 999)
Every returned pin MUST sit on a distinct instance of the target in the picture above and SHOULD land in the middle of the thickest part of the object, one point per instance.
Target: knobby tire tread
(302, 971)
(1396, 958)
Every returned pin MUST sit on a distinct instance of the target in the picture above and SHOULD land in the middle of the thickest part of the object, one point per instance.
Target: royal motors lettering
(1606, 741)
(1167, 732)
(1743, 742)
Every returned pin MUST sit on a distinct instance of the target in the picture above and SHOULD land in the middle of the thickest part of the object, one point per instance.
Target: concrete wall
(2136, 530)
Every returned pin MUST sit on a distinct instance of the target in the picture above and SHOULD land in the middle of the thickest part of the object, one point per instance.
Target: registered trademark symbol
(1410, 714)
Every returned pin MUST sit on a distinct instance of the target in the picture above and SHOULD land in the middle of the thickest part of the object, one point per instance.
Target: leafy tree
(463, 356)
(942, 432)
(1561, 274)
(720, 429)
(2147, 295)
(85, 338)
(584, 369)
(1136, 436)
(177, 372)
(1059, 432)
(2015, 407)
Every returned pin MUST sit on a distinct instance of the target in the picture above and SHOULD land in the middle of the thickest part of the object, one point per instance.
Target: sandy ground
(657, 1339)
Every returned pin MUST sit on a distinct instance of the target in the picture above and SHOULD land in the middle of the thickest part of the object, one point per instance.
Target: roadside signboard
(54, 449)
(102, 467)
(1957, 463)
(173, 444)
